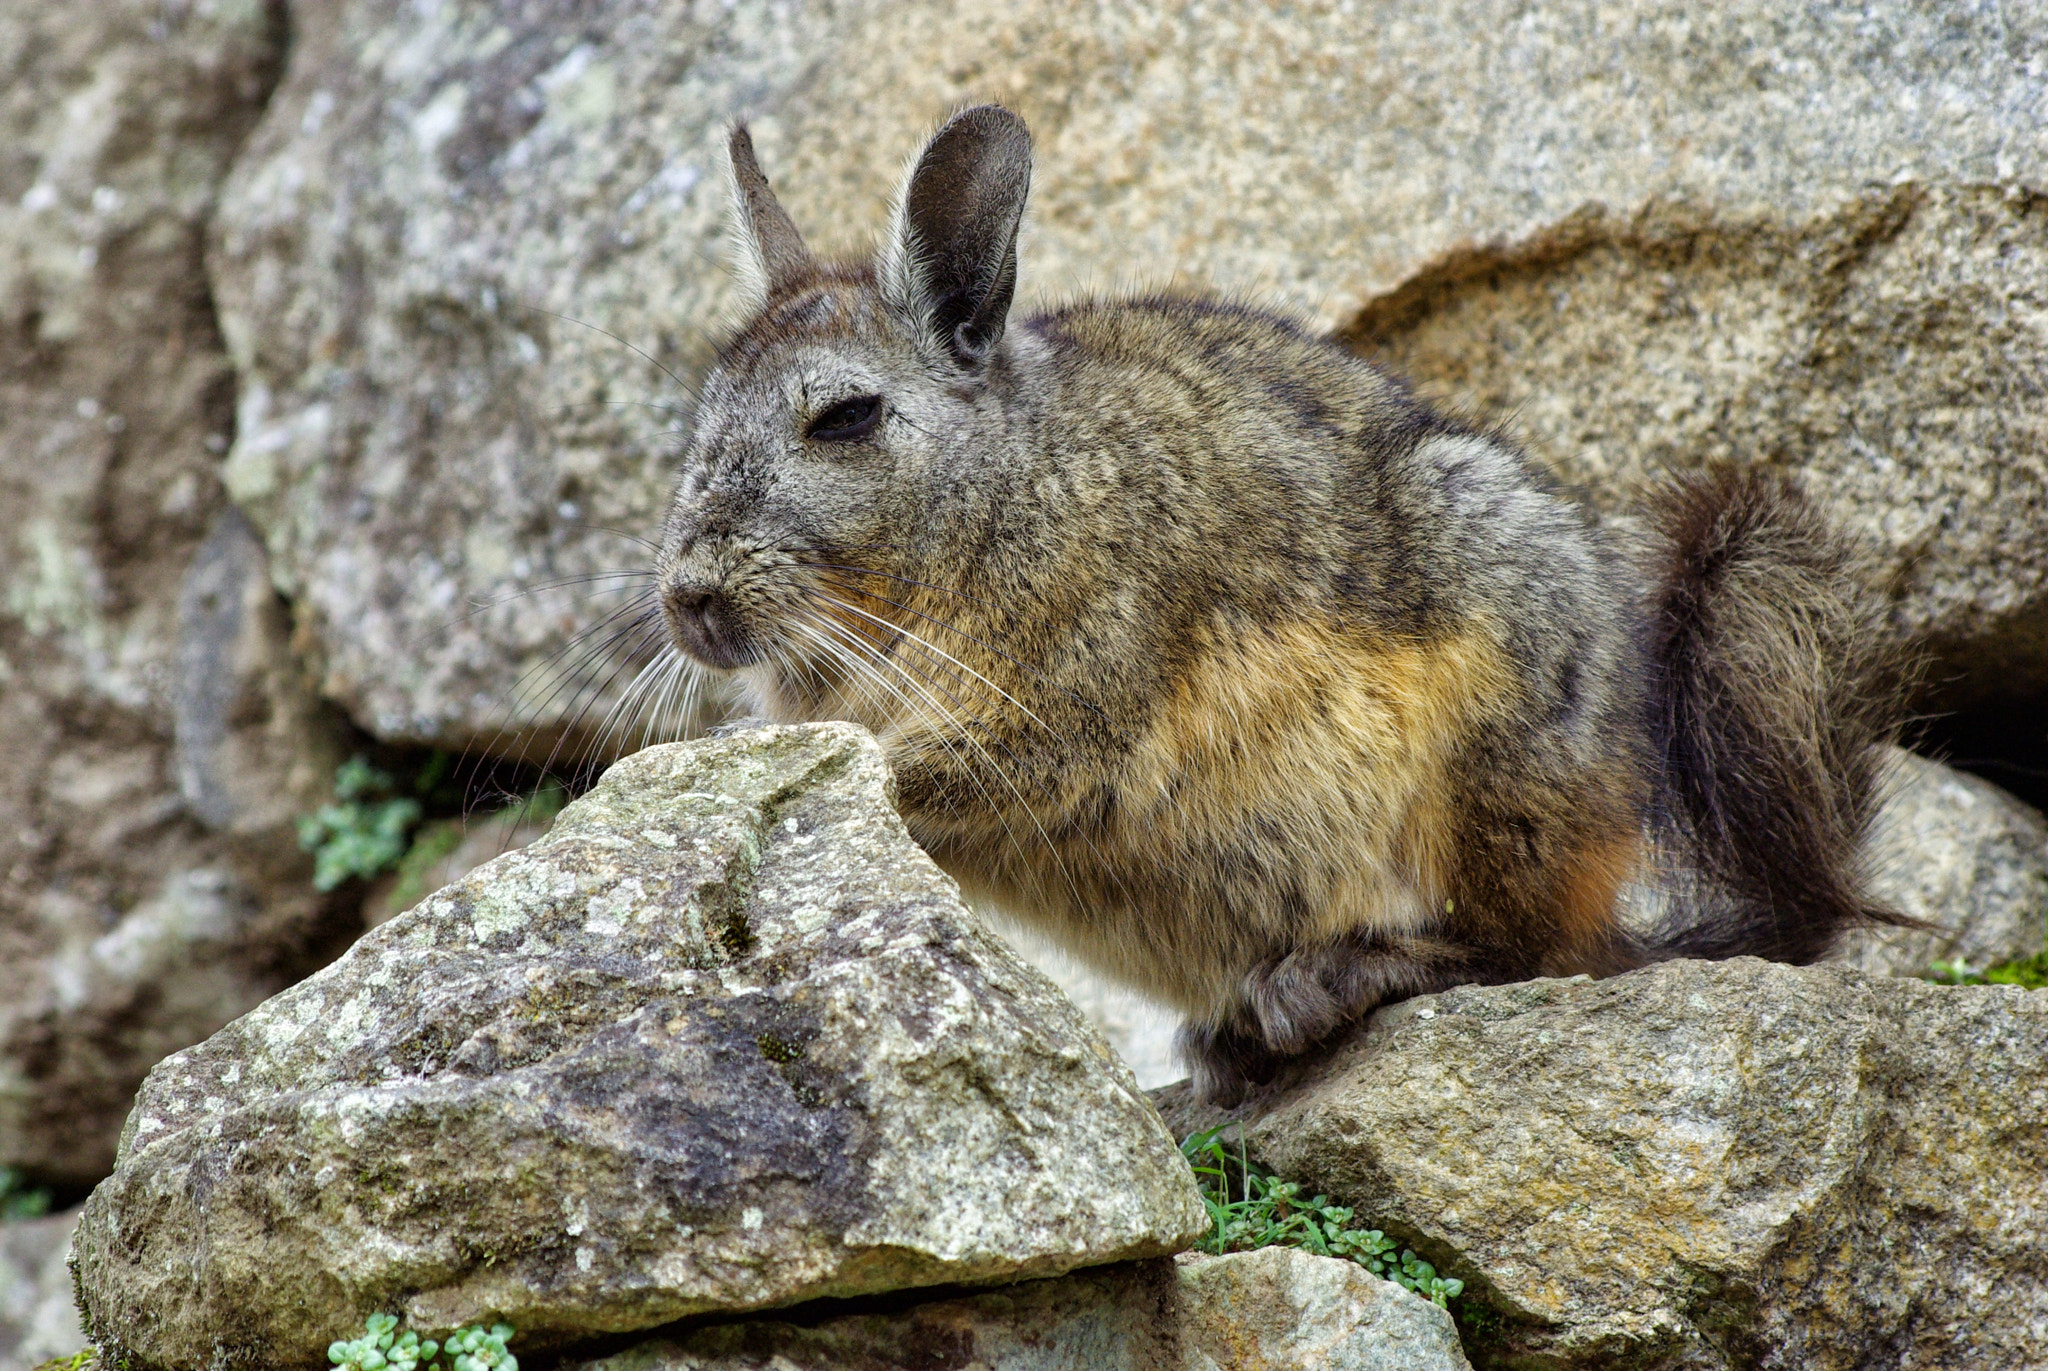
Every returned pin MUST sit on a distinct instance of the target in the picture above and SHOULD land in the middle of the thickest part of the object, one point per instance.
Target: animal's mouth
(707, 626)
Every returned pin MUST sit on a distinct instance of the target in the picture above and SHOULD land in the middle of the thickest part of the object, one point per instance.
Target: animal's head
(837, 424)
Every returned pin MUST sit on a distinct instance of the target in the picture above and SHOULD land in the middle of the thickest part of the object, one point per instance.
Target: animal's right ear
(950, 265)
(770, 252)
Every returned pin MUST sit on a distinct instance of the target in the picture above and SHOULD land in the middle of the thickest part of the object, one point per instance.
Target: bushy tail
(1776, 689)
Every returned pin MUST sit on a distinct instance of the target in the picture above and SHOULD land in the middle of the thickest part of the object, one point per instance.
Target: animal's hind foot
(1289, 1005)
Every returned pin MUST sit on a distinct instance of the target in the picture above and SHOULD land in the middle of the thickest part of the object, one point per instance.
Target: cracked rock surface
(1700, 1165)
(1277, 1309)
(724, 1040)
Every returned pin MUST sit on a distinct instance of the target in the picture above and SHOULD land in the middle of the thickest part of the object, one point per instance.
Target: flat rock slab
(1701, 1165)
(725, 1039)
(1271, 1310)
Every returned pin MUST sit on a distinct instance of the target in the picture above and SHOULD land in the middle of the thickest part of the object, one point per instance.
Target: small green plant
(2031, 972)
(85, 1359)
(1249, 1209)
(419, 869)
(383, 1348)
(364, 832)
(474, 1349)
(19, 1199)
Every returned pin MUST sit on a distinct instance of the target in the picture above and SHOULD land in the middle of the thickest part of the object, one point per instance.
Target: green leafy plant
(19, 1199)
(85, 1359)
(383, 1348)
(364, 832)
(1250, 1209)
(2031, 972)
(475, 1349)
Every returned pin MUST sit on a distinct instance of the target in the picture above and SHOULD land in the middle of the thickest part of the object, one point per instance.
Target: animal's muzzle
(705, 624)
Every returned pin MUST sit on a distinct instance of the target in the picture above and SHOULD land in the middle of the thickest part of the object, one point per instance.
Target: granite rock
(1700, 1165)
(1140, 1029)
(470, 269)
(724, 1040)
(1273, 1310)
(156, 736)
(1955, 850)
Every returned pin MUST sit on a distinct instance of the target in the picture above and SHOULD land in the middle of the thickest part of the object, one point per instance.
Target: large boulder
(724, 1040)
(156, 736)
(1956, 851)
(470, 268)
(1700, 1165)
(1272, 1310)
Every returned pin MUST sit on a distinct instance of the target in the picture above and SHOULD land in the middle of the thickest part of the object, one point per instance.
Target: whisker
(892, 576)
(968, 737)
(984, 646)
(937, 651)
(598, 738)
(648, 627)
(639, 613)
(647, 543)
(817, 630)
(680, 383)
(574, 405)
(618, 720)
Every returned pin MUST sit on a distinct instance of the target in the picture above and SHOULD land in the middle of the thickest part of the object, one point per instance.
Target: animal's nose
(692, 604)
(703, 624)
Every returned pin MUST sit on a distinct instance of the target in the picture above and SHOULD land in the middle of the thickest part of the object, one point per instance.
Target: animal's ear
(951, 260)
(771, 253)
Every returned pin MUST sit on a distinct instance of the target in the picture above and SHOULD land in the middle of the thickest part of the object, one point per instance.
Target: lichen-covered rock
(1272, 1310)
(1278, 1309)
(1653, 233)
(1701, 1165)
(725, 1039)
(156, 736)
(1955, 850)
(1140, 1029)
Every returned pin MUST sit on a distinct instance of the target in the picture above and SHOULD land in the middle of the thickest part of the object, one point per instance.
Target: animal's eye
(847, 420)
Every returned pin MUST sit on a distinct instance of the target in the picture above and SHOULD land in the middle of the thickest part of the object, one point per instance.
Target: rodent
(1202, 644)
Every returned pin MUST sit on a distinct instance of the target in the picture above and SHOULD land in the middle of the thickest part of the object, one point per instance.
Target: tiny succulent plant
(383, 1348)
(1249, 1209)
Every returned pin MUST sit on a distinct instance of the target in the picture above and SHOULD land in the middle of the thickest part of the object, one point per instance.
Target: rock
(1272, 1310)
(442, 853)
(724, 1040)
(1957, 851)
(1282, 1308)
(1701, 1165)
(1654, 234)
(1140, 1030)
(38, 1316)
(155, 735)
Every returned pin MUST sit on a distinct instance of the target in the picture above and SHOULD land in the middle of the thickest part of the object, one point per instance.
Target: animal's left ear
(951, 260)
(771, 253)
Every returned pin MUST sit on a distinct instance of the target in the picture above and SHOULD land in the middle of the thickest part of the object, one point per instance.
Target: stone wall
(344, 348)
